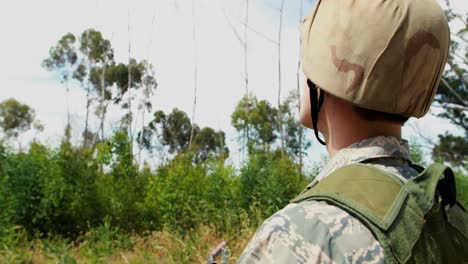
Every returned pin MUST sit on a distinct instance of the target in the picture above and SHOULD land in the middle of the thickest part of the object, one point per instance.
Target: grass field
(106, 245)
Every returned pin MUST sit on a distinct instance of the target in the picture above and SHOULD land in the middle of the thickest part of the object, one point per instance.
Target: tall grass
(107, 245)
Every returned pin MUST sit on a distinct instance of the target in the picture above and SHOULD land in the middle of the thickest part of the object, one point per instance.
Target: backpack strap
(436, 180)
(394, 211)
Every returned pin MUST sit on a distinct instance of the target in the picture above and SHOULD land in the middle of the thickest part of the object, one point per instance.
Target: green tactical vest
(419, 221)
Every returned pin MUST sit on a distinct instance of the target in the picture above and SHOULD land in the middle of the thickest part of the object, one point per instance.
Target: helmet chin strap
(316, 103)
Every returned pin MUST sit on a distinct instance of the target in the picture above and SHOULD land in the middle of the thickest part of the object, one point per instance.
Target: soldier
(370, 65)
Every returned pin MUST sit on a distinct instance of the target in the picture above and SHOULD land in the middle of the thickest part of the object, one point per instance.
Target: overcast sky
(30, 28)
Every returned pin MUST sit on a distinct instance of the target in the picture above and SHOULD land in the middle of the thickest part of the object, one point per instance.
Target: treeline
(167, 173)
(71, 189)
(63, 191)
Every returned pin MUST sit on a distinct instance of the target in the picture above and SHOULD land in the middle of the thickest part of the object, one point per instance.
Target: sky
(161, 32)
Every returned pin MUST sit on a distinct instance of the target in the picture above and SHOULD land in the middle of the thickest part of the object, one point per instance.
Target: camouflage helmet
(383, 55)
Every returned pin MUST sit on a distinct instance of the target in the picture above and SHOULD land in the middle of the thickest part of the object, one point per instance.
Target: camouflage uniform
(316, 232)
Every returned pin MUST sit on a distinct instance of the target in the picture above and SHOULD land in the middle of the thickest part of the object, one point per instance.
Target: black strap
(315, 105)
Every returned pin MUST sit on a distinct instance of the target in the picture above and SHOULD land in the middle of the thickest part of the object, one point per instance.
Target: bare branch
(446, 105)
(280, 121)
(195, 74)
(428, 142)
(450, 9)
(461, 79)
(130, 114)
(459, 17)
(460, 37)
(233, 28)
(461, 58)
(298, 89)
(261, 34)
(246, 72)
(450, 88)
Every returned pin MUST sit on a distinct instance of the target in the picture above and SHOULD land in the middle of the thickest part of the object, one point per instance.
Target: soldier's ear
(304, 114)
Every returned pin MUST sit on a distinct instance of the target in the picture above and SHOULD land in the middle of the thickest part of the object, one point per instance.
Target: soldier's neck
(347, 129)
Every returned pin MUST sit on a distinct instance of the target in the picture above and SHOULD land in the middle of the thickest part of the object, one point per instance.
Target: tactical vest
(418, 221)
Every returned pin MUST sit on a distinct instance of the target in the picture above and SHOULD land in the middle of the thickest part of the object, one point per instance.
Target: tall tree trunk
(280, 121)
(103, 94)
(129, 88)
(145, 100)
(195, 73)
(299, 90)
(68, 127)
(246, 74)
(140, 138)
(88, 103)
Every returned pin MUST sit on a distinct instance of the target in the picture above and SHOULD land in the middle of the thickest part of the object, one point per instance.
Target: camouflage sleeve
(312, 232)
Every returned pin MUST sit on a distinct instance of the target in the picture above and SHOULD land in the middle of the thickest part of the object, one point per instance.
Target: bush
(70, 191)
(268, 182)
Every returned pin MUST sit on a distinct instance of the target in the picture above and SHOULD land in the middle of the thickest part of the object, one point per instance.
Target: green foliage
(95, 78)
(210, 143)
(123, 165)
(294, 144)
(78, 170)
(451, 149)
(96, 192)
(95, 47)
(173, 131)
(15, 117)
(222, 206)
(63, 57)
(176, 195)
(259, 119)
(268, 182)
(104, 239)
(258, 122)
(416, 153)
(462, 187)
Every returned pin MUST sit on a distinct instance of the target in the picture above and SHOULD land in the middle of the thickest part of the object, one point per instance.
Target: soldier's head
(380, 60)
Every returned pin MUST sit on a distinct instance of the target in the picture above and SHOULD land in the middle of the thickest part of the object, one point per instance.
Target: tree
(452, 94)
(243, 41)
(149, 85)
(96, 52)
(102, 84)
(267, 182)
(416, 153)
(142, 79)
(174, 130)
(63, 59)
(295, 140)
(210, 143)
(85, 61)
(280, 119)
(451, 149)
(260, 119)
(15, 117)
(90, 61)
(195, 74)
(116, 77)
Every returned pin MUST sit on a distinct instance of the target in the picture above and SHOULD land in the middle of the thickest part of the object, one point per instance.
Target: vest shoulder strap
(371, 192)
(394, 211)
